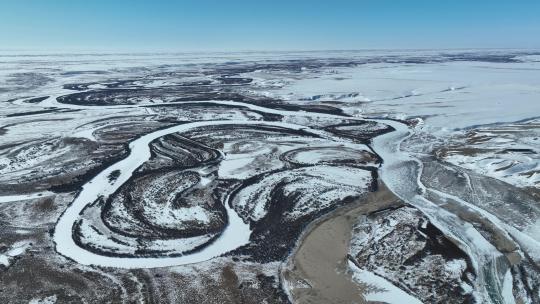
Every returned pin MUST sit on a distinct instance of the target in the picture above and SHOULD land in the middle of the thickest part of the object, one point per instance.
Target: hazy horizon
(140, 52)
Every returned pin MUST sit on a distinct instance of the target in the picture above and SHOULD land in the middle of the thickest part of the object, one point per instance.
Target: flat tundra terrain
(311, 177)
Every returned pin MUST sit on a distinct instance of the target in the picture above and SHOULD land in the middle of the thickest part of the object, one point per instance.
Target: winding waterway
(235, 234)
(399, 171)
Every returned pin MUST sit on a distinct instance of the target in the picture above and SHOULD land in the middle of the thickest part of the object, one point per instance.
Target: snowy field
(130, 172)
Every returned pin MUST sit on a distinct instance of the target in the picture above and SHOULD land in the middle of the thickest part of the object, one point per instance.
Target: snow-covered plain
(448, 96)
(79, 119)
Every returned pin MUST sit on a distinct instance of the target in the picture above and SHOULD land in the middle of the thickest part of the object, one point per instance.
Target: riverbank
(316, 271)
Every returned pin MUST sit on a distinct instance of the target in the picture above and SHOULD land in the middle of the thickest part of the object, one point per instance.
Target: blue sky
(267, 25)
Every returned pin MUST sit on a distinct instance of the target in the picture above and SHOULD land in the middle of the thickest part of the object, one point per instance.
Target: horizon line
(121, 51)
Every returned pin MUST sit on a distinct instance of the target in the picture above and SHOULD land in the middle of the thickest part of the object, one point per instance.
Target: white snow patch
(15, 250)
(380, 289)
(15, 198)
(46, 300)
(507, 294)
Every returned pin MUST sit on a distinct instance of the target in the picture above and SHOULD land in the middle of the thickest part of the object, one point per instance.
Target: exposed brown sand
(317, 269)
